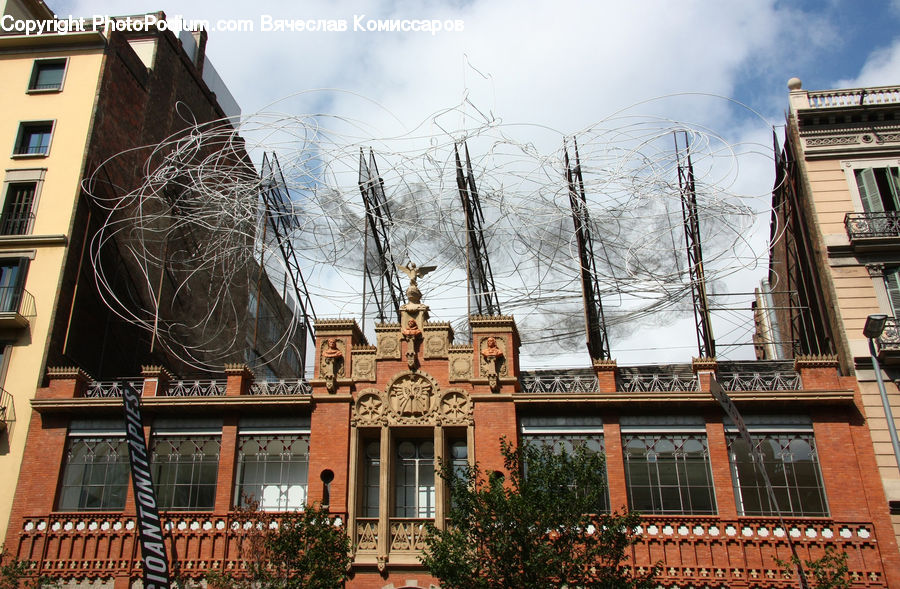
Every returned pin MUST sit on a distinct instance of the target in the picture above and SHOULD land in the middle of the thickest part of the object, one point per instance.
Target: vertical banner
(154, 562)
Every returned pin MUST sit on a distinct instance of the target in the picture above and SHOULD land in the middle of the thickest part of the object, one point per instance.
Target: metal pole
(884, 402)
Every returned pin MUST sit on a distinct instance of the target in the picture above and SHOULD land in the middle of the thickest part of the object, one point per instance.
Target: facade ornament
(412, 334)
(492, 356)
(875, 270)
(413, 295)
(411, 396)
(332, 364)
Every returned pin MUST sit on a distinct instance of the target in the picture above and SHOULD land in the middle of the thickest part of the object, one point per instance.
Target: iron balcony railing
(869, 225)
(17, 300)
(7, 410)
(19, 224)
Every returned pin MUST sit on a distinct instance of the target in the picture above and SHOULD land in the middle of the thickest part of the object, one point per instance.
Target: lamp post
(873, 328)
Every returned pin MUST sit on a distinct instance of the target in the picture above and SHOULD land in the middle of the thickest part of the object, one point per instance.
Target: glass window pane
(792, 466)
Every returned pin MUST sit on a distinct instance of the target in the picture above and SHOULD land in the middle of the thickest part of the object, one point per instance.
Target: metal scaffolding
(595, 322)
(380, 269)
(483, 298)
(706, 343)
(282, 221)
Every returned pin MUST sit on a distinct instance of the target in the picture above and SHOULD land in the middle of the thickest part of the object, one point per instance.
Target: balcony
(888, 343)
(7, 410)
(16, 307)
(872, 231)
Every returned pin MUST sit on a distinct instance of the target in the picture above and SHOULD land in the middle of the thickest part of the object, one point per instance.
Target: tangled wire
(192, 237)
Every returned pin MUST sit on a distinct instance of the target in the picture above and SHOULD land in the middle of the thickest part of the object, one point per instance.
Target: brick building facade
(364, 434)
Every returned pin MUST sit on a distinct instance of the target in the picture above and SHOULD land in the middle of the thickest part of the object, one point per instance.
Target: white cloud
(564, 65)
(882, 68)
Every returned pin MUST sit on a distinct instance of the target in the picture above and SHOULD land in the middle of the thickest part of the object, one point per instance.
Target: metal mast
(282, 221)
(381, 273)
(595, 322)
(482, 292)
(706, 344)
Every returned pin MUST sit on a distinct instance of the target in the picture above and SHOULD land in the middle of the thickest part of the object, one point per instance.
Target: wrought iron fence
(868, 225)
(17, 300)
(787, 380)
(194, 388)
(111, 388)
(553, 381)
(657, 382)
(281, 387)
(7, 409)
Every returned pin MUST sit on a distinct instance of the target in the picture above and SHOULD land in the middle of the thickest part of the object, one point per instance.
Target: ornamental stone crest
(411, 396)
(456, 409)
(369, 408)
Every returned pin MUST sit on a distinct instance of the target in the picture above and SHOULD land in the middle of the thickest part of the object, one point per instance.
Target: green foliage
(14, 573)
(306, 550)
(828, 572)
(533, 531)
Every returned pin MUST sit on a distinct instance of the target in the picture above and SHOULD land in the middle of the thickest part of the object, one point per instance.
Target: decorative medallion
(436, 345)
(461, 364)
(364, 367)
(389, 345)
(369, 408)
(456, 409)
(411, 396)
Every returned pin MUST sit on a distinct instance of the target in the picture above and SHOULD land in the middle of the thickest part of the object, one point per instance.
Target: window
(788, 455)
(273, 468)
(34, 138)
(566, 433)
(892, 285)
(12, 283)
(879, 188)
(667, 466)
(414, 494)
(17, 216)
(95, 473)
(370, 477)
(47, 75)
(184, 455)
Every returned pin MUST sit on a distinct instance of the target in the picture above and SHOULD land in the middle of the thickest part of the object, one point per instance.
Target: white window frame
(20, 136)
(32, 79)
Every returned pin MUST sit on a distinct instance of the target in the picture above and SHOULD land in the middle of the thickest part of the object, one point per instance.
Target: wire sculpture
(189, 234)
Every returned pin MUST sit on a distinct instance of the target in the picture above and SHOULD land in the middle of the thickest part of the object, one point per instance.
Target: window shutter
(868, 191)
(892, 282)
(893, 178)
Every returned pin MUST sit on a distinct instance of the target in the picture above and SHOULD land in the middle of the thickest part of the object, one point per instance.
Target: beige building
(836, 247)
(70, 102)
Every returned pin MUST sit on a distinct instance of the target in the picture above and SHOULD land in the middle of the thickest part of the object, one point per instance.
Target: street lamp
(873, 328)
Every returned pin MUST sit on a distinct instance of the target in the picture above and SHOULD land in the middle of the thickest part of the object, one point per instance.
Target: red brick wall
(329, 448)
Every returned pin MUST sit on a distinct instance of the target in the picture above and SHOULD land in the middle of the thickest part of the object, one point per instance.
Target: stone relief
(331, 366)
(363, 366)
(412, 399)
(389, 345)
(460, 365)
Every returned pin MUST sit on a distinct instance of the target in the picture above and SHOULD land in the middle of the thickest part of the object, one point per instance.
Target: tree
(14, 573)
(542, 528)
(300, 549)
(830, 571)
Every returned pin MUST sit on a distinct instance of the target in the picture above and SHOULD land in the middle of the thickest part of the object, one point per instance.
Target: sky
(720, 64)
